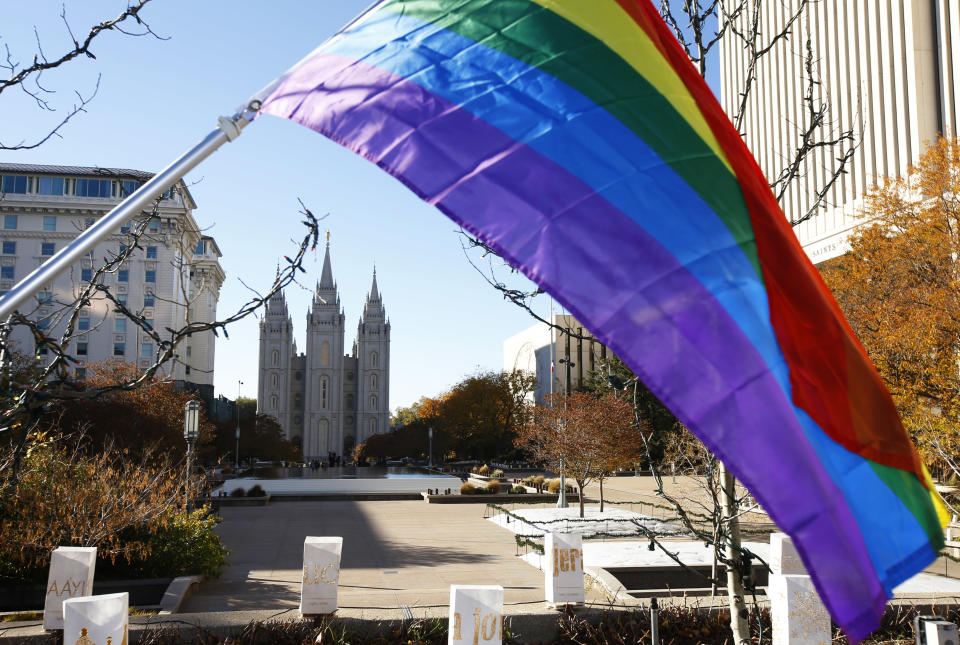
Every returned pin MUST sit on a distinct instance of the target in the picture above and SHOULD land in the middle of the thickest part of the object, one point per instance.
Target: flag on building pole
(577, 140)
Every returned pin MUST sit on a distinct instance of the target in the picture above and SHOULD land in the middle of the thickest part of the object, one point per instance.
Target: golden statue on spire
(328, 236)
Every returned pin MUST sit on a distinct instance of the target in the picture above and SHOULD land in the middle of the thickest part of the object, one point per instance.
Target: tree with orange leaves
(899, 287)
(148, 416)
(586, 435)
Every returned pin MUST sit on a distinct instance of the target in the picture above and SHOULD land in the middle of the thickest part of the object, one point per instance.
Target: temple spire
(326, 276)
(374, 292)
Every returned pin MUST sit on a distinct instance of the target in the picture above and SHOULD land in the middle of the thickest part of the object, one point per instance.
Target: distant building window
(151, 253)
(50, 185)
(146, 350)
(189, 351)
(16, 184)
(154, 226)
(43, 323)
(125, 228)
(46, 248)
(275, 356)
(373, 401)
(94, 188)
(123, 275)
(120, 325)
(148, 299)
(373, 426)
(324, 388)
(373, 381)
(148, 324)
(201, 247)
(9, 248)
(88, 222)
(45, 297)
(10, 222)
(128, 187)
(373, 359)
(122, 299)
(49, 222)
(83, 324)
(273, 380)
(81, 373)
(81, 349)
(186, 370)
(119, 349)
(273, 402)
(6, 273)
(86, 275)
(150, 276)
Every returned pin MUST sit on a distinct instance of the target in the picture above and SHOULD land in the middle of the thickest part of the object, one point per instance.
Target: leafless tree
(30, 387)
(29, 77)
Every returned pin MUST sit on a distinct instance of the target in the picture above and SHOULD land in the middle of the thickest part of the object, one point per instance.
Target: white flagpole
(228, 129)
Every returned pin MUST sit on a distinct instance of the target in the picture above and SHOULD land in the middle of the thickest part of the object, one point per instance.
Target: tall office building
(890, 72)
(173, 277)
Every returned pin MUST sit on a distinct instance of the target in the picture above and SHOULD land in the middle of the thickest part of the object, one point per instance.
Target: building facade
(539, 347)
(173, 277)
(890, 72)
(326, 399)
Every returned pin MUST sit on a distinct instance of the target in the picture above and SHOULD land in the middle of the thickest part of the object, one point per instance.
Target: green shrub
(238, 492)
(256, 491)
(528, 480)
(483, 470)
(187, 545)
(468, 489)
(493, 487)
(518, 490)
(497, 473)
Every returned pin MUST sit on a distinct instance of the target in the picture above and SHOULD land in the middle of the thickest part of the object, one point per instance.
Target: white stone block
(321, 573)
(940, 632)
(563, 573)
(798, 615)
(96, 620)
(476, 615)
(784, 558)
(70, 576)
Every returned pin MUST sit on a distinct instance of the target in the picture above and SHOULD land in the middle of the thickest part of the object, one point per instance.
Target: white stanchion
(70, 576)
(563, 573)
(96, 620)
(476, 615)
(797, 613)
(321, 574)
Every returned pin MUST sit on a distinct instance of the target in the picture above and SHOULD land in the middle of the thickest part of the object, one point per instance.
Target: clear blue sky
(157, 98)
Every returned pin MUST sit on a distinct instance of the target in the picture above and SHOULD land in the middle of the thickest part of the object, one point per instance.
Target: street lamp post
(236, 453)
(562, 497)
(430, 453)
(191, 425)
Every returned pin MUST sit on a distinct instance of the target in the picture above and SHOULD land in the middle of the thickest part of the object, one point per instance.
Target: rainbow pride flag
(577, 140)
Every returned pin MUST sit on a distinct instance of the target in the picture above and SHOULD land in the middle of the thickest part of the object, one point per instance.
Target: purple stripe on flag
(627, 289)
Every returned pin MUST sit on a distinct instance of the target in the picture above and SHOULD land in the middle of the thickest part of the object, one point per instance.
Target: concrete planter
(227, 500)
(143, 593)
(499, 498)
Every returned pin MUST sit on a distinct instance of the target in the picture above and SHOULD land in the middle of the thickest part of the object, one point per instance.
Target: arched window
(275, 357)
(373, 426)
(324, 436)
(373, 401)
(273, 380)
(324, 392)
(373, 359)
(349, 401)
(373, 381)
(273, 402)
(325, 354)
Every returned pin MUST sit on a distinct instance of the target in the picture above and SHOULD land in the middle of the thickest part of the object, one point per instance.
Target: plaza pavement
(395, 553)
(398, 553)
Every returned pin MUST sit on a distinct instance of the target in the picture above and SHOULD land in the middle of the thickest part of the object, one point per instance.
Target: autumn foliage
(899, 287)
(586, 435)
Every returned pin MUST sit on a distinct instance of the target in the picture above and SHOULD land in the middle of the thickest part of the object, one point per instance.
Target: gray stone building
(326, 399)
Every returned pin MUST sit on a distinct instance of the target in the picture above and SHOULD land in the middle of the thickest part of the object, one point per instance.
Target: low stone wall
(499, 498)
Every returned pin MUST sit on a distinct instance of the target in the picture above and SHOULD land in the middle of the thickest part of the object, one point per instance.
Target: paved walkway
(394, 553)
